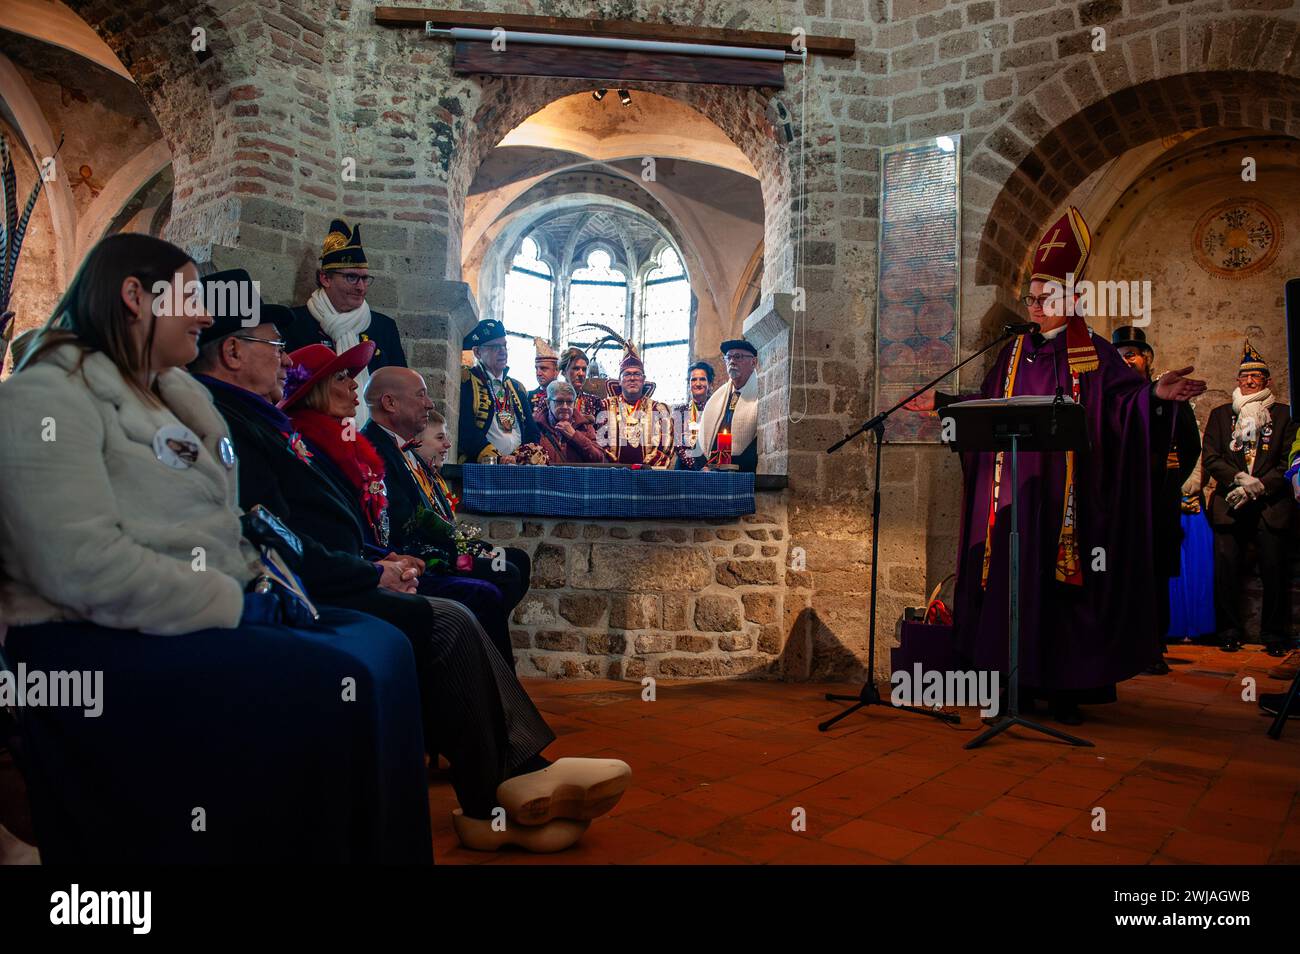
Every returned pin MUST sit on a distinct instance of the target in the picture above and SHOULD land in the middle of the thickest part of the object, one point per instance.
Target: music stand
(1031, 423)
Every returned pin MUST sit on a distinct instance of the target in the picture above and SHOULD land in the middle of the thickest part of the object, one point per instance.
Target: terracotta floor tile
(1064, 850)
(885, 841)
(945, 851)
(915, 815)
(817, 822)
(1057, 793)
(1203, 849)
(750, 841)
(675, 817)
(1182, 768)
(822, 853)
(774, 781)
(1255, 831)
(727, 797)
(1023, 811)
(685, 853)
(1000, 835)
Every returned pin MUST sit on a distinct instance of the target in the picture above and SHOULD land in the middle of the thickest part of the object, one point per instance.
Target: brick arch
(153, 41)
(1068, 154)
(505, 102)
(1242, 71)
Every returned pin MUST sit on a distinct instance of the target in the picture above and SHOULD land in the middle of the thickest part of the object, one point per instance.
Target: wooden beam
(626, 29)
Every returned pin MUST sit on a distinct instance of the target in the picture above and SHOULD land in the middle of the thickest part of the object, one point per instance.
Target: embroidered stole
(1068, 568)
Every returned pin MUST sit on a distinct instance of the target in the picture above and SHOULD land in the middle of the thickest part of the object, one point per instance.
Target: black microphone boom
(1028, 328)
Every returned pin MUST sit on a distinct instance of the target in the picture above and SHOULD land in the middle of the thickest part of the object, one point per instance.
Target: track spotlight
(598, 94)
(625, 97)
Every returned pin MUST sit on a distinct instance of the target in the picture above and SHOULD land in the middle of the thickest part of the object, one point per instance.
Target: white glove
(1252, 485)
(1236, 497)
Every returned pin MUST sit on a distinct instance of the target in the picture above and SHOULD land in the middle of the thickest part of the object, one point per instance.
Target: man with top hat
(496, 414)
(1247, 444)
(729, 424)
(547, 366)
(686, 417)
(1085, 550)
(337, 314)
(1169, 473)
(631, 427)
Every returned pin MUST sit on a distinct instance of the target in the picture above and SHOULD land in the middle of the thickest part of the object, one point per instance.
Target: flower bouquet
(444, 546)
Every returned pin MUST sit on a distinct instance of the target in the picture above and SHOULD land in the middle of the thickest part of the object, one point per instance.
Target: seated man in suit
(1246, 447)
(400, 408)
(337, 314)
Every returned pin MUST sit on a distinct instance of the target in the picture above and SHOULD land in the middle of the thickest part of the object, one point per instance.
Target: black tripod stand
(869, 694)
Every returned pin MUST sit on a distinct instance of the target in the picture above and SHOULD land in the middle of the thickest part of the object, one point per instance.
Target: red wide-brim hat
(319, 361)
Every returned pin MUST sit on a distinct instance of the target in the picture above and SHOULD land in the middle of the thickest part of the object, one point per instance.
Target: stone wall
(261, 122)
(623, 600)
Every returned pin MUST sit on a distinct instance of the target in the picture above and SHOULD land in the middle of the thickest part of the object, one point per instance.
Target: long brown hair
(91, 313)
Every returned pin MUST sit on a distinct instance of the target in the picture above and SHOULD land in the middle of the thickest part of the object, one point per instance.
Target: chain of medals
(631, 423)
(505, 417)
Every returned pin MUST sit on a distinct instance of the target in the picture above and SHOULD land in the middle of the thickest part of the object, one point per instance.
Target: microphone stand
(870, 695)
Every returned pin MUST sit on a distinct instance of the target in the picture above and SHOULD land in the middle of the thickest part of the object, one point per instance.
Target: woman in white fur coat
(207, 730)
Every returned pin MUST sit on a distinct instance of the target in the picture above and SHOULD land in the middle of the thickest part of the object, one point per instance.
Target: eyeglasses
(277, 343)
(561, 401)
(1040, 300)
(492, 347)
(352, 278)
(1251, 376)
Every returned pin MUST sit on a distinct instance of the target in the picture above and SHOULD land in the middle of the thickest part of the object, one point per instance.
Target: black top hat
(232, 300)
(1134, 337)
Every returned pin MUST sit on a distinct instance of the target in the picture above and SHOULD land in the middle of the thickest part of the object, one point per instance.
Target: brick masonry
(262, 123)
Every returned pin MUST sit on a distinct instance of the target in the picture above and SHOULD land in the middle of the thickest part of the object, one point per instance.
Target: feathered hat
(630, 358)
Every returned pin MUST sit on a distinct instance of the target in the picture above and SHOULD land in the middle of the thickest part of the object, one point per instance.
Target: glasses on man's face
(1040, 300)
(562, 402)
(634, 376)
(492, 347)
(1254, 376)
(277, 343)
(356, 278)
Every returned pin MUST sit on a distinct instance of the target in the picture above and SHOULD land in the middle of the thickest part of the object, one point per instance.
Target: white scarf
(744, 420)
(344, 328)
(1251, 416)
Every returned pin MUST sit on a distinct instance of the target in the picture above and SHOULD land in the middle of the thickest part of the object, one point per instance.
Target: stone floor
(1182, 769)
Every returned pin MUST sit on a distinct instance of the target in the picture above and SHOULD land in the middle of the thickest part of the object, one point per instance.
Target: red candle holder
(724, 448)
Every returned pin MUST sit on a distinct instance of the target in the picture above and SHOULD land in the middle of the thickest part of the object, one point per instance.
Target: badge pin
(227, 452)
(176, 446)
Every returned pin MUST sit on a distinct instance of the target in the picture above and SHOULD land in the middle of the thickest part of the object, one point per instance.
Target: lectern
(1027, 423)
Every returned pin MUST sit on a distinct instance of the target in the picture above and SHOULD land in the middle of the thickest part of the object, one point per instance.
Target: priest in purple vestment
(1086, 614)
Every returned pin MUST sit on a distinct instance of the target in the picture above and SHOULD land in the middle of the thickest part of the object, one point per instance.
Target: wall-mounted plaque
(918, 284)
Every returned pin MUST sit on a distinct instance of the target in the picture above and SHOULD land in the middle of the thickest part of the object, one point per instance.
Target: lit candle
(724, 448)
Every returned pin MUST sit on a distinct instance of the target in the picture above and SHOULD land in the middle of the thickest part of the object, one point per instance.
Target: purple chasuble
(1071, 637)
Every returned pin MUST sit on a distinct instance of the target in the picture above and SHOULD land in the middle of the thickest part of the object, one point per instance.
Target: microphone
(1028, 328)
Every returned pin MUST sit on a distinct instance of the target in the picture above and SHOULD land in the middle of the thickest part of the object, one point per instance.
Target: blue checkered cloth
(605, 492)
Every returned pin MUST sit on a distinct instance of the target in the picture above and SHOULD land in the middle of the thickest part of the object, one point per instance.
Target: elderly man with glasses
(496, 414)
(1247, 444)
(337, 314)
